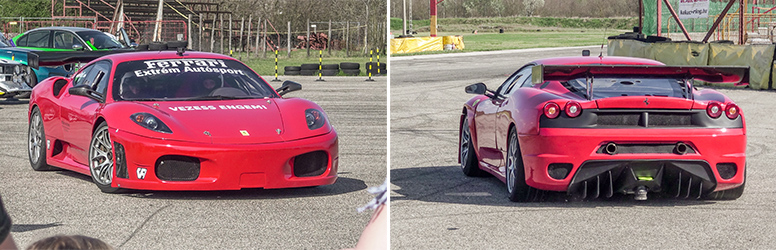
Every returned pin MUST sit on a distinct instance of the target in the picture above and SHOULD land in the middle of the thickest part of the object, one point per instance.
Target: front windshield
(612, 86)
(187, 79)
(100, 40)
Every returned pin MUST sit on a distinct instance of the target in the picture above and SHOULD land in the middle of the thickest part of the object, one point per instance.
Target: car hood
(225, 122)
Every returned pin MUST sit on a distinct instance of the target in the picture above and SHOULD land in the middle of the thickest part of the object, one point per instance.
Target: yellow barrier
(416, 44)
(759, 58)
(625, 47)
(680, 53)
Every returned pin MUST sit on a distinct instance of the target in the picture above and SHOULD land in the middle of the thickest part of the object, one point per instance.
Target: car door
(485, 125)
(65, 40)
(79, 112)
(504, 113)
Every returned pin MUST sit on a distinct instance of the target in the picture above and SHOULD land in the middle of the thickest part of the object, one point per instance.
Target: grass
(519, 23)
(520, 32)
(524, 40)
(266, 66)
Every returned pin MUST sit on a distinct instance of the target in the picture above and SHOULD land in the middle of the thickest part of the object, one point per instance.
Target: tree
(532, 5)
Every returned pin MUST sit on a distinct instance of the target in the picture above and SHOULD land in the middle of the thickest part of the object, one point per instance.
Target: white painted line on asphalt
(484, 53)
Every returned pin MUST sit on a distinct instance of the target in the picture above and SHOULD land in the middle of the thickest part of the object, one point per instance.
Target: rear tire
(36, 146)
(469, 162)
(518, 190)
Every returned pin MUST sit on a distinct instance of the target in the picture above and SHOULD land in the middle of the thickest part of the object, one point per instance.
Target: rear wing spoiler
(58, 58)
(715, 74)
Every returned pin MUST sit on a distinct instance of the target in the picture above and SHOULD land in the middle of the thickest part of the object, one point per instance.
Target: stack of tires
(350, 68)
(309, 69)
(374, 70)
(330, 69)
(292, 70)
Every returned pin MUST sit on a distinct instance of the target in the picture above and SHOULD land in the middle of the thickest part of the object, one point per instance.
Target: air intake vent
(311, 164)
(121, 161)
(177, 168)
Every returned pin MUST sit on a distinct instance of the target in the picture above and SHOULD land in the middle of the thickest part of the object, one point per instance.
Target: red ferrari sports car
(596, 126)
(167, 120)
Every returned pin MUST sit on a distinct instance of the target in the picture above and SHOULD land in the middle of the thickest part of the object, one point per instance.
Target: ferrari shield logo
(244, 132)
(646, 101)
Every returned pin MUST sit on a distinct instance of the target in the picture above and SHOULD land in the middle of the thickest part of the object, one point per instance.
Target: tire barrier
(350, 65)
(351, 72)
(374, 70)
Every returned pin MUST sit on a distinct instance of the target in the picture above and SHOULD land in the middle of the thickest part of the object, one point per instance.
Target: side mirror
(86, 91)
(78, 47)
(288, 86)
(477, 88)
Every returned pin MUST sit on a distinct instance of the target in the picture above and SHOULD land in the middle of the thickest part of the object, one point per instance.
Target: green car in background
(65, 39)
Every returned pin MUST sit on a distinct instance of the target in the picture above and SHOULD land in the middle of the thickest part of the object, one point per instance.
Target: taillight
(731, 111)
(714, 109)
(573, 109)
(551, 110)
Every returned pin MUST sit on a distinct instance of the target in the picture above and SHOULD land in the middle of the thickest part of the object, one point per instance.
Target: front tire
(467, 155)
(36, 136)
(518, 190)
(101, 164)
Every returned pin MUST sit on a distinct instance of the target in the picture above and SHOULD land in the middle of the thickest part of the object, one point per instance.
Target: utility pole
(158, 26)
(404, 18)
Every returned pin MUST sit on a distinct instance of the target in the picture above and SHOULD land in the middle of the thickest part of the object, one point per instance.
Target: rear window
(187, 79)
(612, 86)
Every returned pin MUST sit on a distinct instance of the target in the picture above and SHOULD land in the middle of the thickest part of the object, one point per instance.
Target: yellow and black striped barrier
(369, 68)
(320, 66)
(276, 67)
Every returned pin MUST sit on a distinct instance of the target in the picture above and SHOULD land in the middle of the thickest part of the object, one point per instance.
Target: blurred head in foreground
(75, 242)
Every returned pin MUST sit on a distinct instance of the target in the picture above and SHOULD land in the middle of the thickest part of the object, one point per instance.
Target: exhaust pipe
(680, 148)
(640, 193)
(610, 148)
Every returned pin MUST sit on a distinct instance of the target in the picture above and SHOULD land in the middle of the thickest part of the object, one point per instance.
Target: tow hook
(641, 193)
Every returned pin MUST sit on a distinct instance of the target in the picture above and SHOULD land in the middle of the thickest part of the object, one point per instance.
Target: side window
(82, 77)
(22, 41)
(517, 80)
(527, 82)
(65, 40)
(38, 39)
(102, 76)
(504, 86)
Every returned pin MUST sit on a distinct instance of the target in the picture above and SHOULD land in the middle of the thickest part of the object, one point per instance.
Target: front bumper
(11, 88)
(593, 168)
(223, 167)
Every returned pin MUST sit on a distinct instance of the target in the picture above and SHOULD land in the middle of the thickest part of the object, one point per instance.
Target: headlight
(150, 122)
(314, 118)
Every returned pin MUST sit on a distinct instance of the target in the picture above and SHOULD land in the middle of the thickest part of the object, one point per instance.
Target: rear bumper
(582, 149)
(224, 167)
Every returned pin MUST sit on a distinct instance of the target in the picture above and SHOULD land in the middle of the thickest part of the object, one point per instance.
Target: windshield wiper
(141, 99)
(220, 97)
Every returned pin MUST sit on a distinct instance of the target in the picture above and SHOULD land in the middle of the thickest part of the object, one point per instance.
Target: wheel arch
(97, 123)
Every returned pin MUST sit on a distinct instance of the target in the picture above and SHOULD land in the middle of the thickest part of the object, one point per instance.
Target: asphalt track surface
(43, 204)
(434, 206)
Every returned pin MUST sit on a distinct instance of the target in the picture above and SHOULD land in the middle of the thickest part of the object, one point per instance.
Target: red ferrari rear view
(179, 121)
(598, 126)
